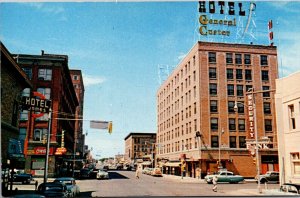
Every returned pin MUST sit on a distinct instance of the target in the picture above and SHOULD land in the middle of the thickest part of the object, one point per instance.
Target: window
(241, 107)
(266, 94)
(26, 92)
(22, 133)
(230, 90)
(248, 88)
(214, 123)
(28, 72)
(39, 134)
(248, 74)
(45, 74)
(242, 141)
(239, 74)
(45, 91)
(232, 143)
(231, 106)
(265, 75)
(24, 115)
(292, 117)
(247, 59)
(238, 59)
(239, 90)
(195, 108)
(229, 58)
(212, 57)
(213, 89)
(242, 125)
(268, 125)
(229, 73)
(263, 60)
(232, 124)
(295, 160)
(214, 106)
(194, 76)
(212, 73)
(75, 77)
(214, 141)
(267, 108)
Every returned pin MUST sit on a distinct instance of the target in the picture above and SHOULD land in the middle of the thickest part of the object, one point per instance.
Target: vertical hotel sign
(216, 25)
(251, 116)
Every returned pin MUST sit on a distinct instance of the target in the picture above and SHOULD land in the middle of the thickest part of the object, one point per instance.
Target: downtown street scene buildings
(222, 107)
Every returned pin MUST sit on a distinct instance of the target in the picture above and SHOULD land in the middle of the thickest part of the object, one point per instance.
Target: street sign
(37, 103)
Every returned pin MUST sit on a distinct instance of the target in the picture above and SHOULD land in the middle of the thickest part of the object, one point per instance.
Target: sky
(120, 46)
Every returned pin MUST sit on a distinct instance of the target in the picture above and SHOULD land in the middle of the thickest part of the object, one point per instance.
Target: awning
(172, 164)
(147, 163)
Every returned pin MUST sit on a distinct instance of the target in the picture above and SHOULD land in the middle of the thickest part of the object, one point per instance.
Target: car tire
(262, 181)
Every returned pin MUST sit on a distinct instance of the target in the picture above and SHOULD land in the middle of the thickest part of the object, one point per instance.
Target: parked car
(70, 182)
(224, 176)
(145, 170)
(101, 174)
(156, 172)
(21, 176)
(85, 173)
(269, 177)
(53, 189)
(287, 189)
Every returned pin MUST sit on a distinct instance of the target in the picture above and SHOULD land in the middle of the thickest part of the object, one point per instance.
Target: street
(124, 183)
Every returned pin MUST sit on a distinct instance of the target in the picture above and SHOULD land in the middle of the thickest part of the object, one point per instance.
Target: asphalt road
(124, 184)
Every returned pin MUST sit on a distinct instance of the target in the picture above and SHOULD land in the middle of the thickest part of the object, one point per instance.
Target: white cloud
(90, 80)
(47, 8)
(181, 56)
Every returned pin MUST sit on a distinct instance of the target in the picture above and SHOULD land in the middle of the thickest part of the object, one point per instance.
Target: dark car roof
(64, 179)
(292, 184)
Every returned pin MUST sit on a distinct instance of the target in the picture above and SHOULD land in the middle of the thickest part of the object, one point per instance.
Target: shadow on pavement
(86, 194)
(115, 175)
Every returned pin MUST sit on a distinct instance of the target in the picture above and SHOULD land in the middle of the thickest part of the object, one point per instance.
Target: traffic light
(110, 127)
(63, 138)
(44, 139)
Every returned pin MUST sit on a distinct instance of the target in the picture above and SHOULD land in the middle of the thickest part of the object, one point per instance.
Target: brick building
(50, 75)
(201, 95)
(77, 80)
(13, 81)
(139, 146)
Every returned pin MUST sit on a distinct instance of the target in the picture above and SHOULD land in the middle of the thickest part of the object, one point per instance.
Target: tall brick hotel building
(200, 95)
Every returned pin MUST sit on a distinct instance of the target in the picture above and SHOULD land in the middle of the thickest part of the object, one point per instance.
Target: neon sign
(211, 26)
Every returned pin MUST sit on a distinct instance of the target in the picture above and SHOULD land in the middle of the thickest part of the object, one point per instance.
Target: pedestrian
(137, 172)
(215, 182)
(36, 185)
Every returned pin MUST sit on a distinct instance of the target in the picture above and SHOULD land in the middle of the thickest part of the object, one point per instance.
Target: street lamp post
(199, 135)
(256, 138)
(220, 165)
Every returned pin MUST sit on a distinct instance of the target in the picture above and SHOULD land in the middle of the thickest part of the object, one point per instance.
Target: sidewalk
(184, 179)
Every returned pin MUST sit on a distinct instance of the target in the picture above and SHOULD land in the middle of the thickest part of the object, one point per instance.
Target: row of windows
(240, 107)
(214, 124)
(43, 73)
(238, 58)
(191, 143)
(230, 74)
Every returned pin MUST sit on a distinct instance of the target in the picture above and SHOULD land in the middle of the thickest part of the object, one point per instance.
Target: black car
(269, 177)
(86, 173)
(53, 189)
(22, 177)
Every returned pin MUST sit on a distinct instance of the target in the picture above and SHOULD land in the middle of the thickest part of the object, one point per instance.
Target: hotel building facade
(201, 94)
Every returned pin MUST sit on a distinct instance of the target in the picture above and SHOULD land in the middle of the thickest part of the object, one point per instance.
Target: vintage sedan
(101, 174)
(20, 176)
(225, 176)
(70, 182)
(269, 177)
(287, 189)
(52, 189)
(156, 172)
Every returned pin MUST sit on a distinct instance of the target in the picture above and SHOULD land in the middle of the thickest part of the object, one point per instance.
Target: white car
(101, 174)
(72, 187)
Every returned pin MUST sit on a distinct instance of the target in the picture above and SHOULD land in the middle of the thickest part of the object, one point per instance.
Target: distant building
(50, 75)
(138, 145)
(13, 81)
(288, 127)
(77, 80)
(200, 95)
